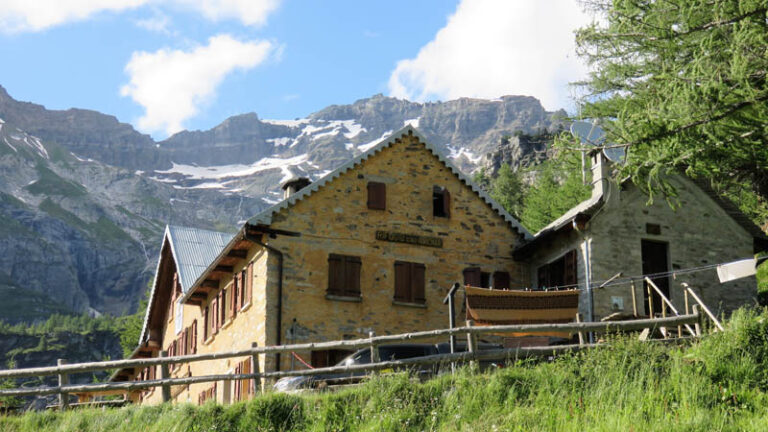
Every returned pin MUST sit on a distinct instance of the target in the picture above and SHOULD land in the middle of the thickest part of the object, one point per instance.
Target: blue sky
(164, 65)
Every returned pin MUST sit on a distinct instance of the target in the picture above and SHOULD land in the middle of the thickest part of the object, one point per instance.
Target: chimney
(600, 176)
(294, 185)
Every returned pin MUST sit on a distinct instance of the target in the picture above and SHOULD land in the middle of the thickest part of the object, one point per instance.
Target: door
(655, 260)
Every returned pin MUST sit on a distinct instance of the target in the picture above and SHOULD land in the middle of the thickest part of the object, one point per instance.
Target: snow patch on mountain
(367, 146)
(290, 123)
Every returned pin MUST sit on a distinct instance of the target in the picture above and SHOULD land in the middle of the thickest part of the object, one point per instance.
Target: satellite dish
(590, 133)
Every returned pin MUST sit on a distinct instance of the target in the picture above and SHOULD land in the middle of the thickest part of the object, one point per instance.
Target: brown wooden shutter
(238, 383)
(233, 296)
(248, 284)
(215, 324)
(402, 281)
(335, 274)
(194, 337)
(352, 276)
(206, 323)
(446, 203)
(377, 196)
(418, 280)
(569, 270)
(473, 276)
(501, 280)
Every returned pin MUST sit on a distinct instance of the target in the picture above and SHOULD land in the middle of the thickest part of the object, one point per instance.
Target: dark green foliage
(130, 325)
(719, 383)
(508, 190)
(557, 188)
(684, 83)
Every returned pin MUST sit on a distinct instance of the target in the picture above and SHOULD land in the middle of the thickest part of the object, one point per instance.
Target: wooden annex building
(373, 246)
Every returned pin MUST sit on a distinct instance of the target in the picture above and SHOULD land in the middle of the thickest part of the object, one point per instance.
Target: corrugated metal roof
(265, 217)
(193, 250)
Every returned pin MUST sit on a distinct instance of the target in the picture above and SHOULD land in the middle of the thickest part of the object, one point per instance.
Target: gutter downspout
(279, 254)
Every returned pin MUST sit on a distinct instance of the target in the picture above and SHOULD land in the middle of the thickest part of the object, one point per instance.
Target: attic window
(377, 196)
(654, 229)
(441, 202)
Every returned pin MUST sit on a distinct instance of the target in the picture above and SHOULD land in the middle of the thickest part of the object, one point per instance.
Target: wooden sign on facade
(409, 238)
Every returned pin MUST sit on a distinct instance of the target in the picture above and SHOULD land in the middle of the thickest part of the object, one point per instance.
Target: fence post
(650, 300)
(165, 374)
(63, 380)
(256, 368)
(581, 334)
(634, 299)
(374, 351)
(698, 323)
(471, 343)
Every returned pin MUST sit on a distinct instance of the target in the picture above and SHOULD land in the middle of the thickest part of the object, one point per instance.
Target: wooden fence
(62, 370)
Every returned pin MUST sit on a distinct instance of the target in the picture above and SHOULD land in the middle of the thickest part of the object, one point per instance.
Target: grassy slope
(717, 384)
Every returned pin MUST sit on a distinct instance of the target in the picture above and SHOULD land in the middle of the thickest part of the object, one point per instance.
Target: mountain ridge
(95, 194)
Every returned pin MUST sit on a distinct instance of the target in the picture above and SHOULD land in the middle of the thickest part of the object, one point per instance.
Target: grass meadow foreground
(716, 384)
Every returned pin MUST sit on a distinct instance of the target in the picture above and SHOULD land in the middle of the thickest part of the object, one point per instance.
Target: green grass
(50, 183)
(717, 384)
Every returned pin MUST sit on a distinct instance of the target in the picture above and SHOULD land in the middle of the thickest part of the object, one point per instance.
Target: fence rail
(472, 355)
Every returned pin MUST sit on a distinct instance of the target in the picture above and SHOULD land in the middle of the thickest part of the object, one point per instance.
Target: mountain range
(84, 198)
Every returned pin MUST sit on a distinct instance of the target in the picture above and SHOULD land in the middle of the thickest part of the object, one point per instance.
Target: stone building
(372, 246)
(616, 234)
(376, 244)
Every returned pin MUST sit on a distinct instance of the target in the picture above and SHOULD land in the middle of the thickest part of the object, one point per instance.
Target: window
(441, 202)
(501, 280)
(223, 315)
(343, 275)
(473, 277)
(206, 323)
(247, 286)
(243, 388)
(476, 278)
(560, 272)
(207, 395)
(235, 293)
(325, 358)
(377, 196)
(409, 282)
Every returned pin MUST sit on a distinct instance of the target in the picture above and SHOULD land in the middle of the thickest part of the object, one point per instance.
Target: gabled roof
(193, 250)
(588, 207)
(265, 217)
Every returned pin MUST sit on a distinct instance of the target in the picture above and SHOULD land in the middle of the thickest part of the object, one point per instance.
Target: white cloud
(249, 12)
(35, 15)
(491, 48)
(172, 84)
(158, 22)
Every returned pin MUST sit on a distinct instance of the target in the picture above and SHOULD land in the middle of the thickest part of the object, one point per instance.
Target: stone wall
(335, 219)
(698, 233)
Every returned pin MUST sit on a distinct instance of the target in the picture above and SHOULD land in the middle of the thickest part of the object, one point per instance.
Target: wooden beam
(238, 253)
(223, 269)
(210, 283)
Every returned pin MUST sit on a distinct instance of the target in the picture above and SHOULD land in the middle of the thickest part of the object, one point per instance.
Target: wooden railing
(62, 370)
(689, 292)
(665, 303)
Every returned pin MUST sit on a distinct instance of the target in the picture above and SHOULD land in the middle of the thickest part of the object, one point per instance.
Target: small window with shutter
(441, 202)
(344, 275)
(377, 196)
(501, 280)
(410, 282)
